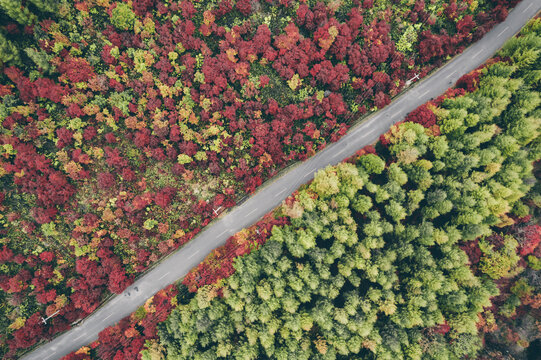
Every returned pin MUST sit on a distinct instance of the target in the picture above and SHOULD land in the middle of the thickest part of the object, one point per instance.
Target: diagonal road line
(250, 212)
(424, 93)
(223, 232)
(504, 30)
(164, 275)
(280, 192)
(451, 74)
(479, 52)
(340, 152)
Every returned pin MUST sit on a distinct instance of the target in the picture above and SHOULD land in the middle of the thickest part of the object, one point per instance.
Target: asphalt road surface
(271, 194)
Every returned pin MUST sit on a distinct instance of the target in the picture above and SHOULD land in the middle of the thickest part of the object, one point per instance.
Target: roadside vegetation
(423, 246)
(126, 126)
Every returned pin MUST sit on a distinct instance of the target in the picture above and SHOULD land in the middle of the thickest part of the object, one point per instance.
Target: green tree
(9, 54)
(50, 6)
(122, 17)
(372, 164)
(15, 10)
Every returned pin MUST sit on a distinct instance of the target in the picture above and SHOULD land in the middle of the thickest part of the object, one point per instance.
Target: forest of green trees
(371, 266)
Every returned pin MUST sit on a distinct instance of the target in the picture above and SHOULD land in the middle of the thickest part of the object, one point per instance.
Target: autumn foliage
(127, 126)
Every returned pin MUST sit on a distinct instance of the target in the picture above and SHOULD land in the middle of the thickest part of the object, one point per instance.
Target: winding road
(272, 193)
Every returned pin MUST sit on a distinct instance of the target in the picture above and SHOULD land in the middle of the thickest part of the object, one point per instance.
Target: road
(271, 194)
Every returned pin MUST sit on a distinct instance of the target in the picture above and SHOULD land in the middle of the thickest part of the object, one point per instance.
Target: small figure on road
(136, 288)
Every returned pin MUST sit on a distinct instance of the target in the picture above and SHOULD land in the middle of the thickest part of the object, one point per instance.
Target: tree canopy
(371, 266)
